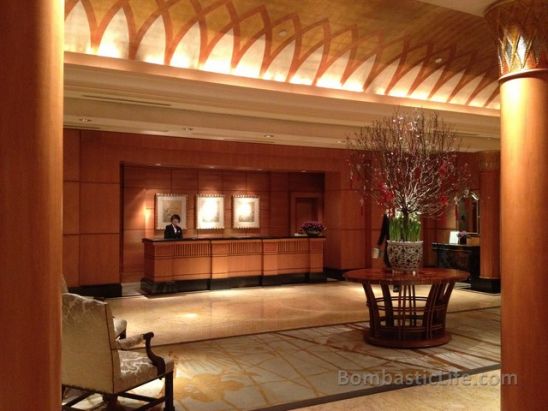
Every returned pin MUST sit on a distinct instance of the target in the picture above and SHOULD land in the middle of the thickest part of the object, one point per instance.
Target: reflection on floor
(207, 315)
(287, 369)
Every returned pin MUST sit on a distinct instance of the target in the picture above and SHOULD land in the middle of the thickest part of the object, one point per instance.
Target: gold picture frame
(166, 205)
(210, 212)
(246, 211)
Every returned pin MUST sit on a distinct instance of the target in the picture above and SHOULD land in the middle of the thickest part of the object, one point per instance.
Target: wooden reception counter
(216, 263)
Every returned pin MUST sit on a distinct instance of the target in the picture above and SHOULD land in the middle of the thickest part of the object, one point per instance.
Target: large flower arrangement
(408, 163)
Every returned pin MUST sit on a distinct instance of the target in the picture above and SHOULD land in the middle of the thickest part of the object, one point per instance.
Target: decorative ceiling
(401, 48)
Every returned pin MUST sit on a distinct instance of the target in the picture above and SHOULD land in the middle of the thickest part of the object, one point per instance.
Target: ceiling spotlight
(84, 120)
(438, 60)
(158, 164)
(303, 171)
(282, 33)
(340, 141)
(269, 135)
(188, 129)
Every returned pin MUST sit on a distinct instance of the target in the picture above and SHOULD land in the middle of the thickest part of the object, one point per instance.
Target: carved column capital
(521, 28)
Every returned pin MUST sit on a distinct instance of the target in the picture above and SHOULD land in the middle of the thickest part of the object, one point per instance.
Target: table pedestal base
(403, 318)
(407, 320)
(397, 343)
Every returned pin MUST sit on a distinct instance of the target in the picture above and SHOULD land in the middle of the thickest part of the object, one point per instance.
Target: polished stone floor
(291, 347)
(215, 314)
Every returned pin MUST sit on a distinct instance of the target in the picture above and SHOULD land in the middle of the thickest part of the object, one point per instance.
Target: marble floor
(301, 346)
(215, 314)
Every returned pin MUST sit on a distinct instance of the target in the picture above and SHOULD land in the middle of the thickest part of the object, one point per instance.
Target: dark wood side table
(467, 258)
(405, 319)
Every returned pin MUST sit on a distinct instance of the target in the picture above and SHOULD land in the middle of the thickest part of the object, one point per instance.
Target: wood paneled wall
(94, 223)
(141, 183)
(94, 207)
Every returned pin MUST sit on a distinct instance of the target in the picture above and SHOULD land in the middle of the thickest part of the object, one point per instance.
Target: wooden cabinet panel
(354, 252)
(279, 210)
(136, 205)
(234, 181)
(71, 207)
(71, 155)
(99, 259)
(279, 182)
(71, 260)
(210, 181)
(257, 182)
(99, 162)
(306, 182)
(184, 180)
(99, 208)
(132, 253)
(332, 257)
(145, 177)
(352, 214)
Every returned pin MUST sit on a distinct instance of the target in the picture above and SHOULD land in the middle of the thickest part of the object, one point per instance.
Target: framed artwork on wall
(246, 211)
(210, 212)
(166, 205)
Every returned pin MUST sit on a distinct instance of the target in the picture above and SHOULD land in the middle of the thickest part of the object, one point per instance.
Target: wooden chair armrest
(158, 362)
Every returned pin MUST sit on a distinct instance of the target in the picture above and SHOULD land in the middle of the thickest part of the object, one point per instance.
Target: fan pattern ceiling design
(402, 48)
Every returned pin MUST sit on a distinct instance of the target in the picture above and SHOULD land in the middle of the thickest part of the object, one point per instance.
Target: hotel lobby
(273, 205)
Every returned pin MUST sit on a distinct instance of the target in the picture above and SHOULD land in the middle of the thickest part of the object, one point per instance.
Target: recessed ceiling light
(438, 60)
(84, 120)
(282, 33)
(269, 135)
(303, 171)
(189, 129)
(158, 164)
(340, 141)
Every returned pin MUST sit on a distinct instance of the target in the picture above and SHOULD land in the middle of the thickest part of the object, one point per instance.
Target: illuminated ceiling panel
(401, 48)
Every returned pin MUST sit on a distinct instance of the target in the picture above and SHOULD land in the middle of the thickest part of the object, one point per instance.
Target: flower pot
(405, 255)
(313, 233)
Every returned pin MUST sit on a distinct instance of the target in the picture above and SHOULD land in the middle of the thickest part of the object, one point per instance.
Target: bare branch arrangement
(408, 163)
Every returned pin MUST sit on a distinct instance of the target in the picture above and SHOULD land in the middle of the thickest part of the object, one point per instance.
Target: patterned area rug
(286, 369)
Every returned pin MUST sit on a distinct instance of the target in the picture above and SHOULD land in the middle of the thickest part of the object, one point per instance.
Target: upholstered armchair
(120, 325)
(95, 362)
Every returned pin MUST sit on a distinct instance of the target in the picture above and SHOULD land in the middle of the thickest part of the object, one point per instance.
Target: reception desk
(217, 263)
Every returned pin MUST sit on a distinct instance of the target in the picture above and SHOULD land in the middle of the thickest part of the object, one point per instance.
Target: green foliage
(405, 227)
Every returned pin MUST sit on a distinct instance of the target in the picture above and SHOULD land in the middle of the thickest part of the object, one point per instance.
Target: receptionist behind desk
(173, 231)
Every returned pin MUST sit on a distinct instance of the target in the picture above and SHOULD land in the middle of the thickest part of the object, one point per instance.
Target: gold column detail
(521, 29)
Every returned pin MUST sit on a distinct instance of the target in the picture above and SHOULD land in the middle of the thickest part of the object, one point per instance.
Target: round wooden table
(405, 319)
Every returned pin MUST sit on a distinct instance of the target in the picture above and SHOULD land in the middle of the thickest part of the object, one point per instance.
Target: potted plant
(313, 228)
(408, 164)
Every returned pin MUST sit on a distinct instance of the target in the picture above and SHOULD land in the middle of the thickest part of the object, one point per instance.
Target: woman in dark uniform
(383, 238)
(173, 231)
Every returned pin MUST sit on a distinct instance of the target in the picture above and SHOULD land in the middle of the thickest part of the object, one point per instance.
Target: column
(31, 109)
(521, 30)
(489, 221)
